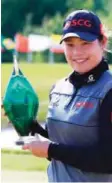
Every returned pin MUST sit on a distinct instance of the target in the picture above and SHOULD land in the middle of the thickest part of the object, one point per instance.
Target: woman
(79, 120)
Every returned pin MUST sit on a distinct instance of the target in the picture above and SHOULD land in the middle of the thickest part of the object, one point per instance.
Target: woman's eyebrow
(69, 41)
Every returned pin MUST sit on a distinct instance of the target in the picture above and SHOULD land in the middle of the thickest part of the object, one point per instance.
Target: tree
(13, 16)
(15, 13)
(79, 4)
(49, 26)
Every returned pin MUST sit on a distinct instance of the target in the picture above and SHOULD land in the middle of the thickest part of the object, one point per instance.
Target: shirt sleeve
(97, 158)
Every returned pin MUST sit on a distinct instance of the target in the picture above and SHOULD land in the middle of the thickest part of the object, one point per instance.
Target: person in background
(79, 120)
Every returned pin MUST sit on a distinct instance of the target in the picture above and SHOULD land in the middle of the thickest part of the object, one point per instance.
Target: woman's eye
(70, 44)
(85, 43)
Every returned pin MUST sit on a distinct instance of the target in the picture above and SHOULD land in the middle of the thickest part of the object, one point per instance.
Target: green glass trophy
(20, 102)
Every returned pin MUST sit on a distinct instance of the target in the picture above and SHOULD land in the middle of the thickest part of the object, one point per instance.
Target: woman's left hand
(38, 148)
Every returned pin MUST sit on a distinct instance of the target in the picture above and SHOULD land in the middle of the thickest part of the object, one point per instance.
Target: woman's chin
(80, 70)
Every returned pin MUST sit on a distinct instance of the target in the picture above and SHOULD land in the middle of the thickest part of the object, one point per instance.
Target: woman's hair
(100, 37)
(108, 34)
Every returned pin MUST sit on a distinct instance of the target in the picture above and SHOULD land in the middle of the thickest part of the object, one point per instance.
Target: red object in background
(56, 49)
(21, 43)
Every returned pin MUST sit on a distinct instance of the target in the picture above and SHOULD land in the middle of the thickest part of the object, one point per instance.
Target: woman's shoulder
(106, 82)
(62, 86)
(108, 73)
(106, 78)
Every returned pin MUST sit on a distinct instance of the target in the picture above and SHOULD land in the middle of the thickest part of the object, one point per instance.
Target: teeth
(79, 61)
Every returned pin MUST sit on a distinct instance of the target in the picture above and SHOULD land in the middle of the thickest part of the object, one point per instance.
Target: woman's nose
(77, 50)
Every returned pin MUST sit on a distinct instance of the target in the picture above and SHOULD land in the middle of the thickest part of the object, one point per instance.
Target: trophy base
(22, 140)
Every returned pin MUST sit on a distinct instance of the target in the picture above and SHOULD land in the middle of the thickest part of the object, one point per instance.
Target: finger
(26, 146)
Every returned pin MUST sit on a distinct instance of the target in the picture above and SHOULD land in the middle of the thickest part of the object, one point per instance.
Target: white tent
(38, 42)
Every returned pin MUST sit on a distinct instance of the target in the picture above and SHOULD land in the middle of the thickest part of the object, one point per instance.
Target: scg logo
(79, 22)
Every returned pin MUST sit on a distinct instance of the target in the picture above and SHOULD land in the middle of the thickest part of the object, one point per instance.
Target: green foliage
(79, 4)
(42, 8)
(7, 56)
(98, 6)
(13, 16)
(49, 26)
(109, 52)
(53, 24)
(44, 16)
(16, 13)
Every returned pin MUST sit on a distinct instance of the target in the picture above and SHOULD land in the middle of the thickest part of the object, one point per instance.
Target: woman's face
(81, 55)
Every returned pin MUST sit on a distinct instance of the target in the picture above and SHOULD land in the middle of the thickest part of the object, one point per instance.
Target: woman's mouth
(80, 60)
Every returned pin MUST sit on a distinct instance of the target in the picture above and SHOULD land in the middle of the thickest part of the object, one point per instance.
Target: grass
(41, 76)
(22, 161)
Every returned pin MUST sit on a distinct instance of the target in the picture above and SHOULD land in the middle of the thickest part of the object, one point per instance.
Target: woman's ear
(104, 42)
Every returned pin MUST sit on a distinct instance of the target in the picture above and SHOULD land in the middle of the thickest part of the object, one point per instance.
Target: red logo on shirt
(84, 104)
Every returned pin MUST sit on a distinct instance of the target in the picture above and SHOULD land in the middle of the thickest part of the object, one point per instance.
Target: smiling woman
(83, 55)
(78, 125)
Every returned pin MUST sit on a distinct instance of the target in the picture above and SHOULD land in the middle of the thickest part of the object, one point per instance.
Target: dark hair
(100, 37)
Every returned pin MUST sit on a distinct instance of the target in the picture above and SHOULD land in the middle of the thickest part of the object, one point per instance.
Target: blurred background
(32, 29)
